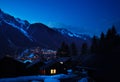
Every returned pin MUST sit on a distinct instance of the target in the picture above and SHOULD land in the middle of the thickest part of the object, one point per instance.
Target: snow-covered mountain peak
(63, 30)
(66, 32)
(16, 21)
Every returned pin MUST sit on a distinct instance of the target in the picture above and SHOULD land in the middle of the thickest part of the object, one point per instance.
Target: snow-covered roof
(33, 63)
(63, 59)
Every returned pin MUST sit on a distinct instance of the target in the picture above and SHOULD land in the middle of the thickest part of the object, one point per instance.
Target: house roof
(9, 61)
(47, 63)
(51, 62)
(34, 63)
(63, 59)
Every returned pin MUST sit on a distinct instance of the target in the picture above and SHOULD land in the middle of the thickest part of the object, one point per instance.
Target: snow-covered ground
(51, 80)
(83, 80)
(45, 78)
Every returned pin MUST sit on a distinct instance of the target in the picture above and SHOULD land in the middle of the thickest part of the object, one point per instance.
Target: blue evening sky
(83, 16)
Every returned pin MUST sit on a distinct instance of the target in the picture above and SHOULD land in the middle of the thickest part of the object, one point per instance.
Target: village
(38, 62)
(36, 53)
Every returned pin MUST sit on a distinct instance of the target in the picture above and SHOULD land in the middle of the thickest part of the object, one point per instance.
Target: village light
(61, 62)
(64, 68)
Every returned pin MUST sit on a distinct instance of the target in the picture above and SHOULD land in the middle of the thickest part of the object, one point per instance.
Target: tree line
(71, 50)
(107, 43)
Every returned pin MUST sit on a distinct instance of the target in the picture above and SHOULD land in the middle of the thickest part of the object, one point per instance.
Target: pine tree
(94, 46)
(111, 39)
(102, 43)
(84, 48)
(73, 49)
(58, 52)
(108, 35)
(102, 37)
(63, 51)
(113, 31)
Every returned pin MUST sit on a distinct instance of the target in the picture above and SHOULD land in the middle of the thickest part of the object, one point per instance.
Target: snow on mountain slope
(66, 32)
(21, 29)
(17, 23)
(22, 34)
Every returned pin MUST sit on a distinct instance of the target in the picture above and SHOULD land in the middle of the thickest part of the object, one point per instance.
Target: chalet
(10, 67)
(33, 68)
(50, 67)
(56, 66)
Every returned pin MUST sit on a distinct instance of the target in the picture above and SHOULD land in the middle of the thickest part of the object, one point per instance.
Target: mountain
(22, 25)
(13, 34)
(66, 32)
(70, 37)
(44, 36)
(18, 34)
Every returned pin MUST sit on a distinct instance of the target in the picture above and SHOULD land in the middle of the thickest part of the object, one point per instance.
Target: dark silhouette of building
(10, 67)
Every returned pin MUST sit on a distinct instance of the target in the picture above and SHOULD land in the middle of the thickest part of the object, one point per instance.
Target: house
(33, 68)
(56, 66)
(9, 67)
(50, 67)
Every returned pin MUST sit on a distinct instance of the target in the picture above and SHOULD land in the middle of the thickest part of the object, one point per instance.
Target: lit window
(53, 71)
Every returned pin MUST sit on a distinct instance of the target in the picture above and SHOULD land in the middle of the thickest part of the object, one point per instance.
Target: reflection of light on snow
(69, 71)
(31, 55)
(27, 61)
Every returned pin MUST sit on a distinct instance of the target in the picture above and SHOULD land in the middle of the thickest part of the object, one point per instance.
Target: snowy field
(38, 78)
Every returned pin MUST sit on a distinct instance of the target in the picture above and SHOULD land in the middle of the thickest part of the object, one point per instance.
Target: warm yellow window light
(53, 71)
